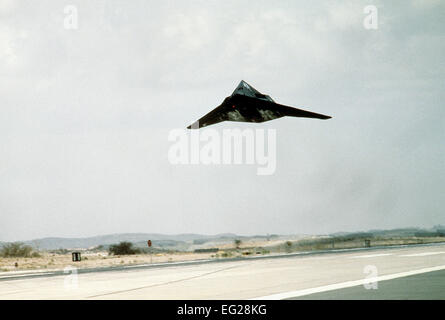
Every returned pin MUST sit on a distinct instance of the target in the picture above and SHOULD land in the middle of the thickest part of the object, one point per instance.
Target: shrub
(18, 249)
(288, 246)
(226, 254)
(123, 248)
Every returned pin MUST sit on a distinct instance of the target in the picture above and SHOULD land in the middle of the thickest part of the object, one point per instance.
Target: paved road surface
(338, 275)
(430, 285)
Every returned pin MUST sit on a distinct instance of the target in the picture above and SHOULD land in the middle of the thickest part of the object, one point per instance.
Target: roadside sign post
(151, 252)
(367, 243)
(76, 256)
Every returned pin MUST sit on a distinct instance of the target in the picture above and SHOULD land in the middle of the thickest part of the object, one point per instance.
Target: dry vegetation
(53, 261)
(91, 259)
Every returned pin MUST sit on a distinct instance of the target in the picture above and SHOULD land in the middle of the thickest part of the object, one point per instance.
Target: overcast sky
(86, 113)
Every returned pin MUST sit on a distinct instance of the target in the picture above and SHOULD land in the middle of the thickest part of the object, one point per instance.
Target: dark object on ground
(76, 256)
(206, 250)
(123, 248)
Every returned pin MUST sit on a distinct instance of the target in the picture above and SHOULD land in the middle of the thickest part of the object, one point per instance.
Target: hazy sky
(86, 113)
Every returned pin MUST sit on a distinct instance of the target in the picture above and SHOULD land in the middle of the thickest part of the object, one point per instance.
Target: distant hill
(395, 233)
(139, 239)
(192, 241)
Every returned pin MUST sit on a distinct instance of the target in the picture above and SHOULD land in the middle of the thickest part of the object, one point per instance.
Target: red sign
(149, 243)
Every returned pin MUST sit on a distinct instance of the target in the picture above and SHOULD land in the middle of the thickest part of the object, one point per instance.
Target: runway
(416, 272)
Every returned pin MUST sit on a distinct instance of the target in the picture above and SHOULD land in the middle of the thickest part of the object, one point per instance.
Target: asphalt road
(398, 272)
(430, 286)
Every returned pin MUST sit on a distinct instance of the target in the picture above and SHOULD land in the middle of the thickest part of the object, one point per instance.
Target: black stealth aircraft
(249, 105)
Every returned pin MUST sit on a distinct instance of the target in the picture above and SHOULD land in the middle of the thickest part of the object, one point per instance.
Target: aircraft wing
(214, 116)
(294, 112)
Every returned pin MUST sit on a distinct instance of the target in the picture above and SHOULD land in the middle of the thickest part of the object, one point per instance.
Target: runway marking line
(166, 264)
(26, 275)
(372, 255)
(423, 254)
(347, 284)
